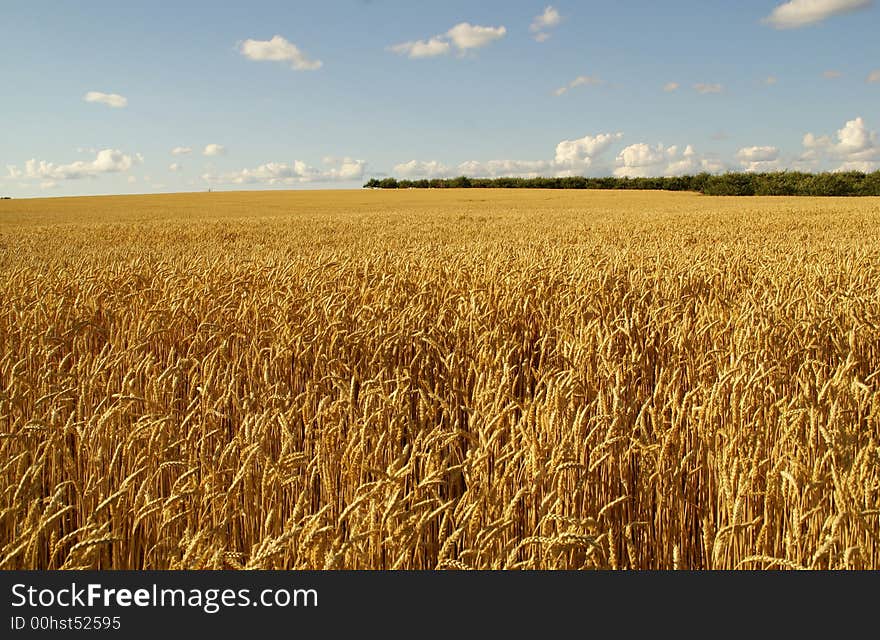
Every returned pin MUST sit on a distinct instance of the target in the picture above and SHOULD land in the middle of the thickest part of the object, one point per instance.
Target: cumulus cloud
(577, 82)
(801, 13)
(463, 37)
(641, 160)
(757, 159)
(180, 151)
(296, 172)
(106, 161)
(865, 166)
(505, 168)
(470, 36)
(874, 76)
(214, 150)
(544, 22)
(110, 99)
(580, 153)
(422, 169)
(853, 145)
(670, 87)
(704, 88)
(816, 142)
(343, 169)
(583, 156)
(757, 154)
(174, 167)
(474, 169)
(278, 49)
(771, 80)
(422, 48)
(548, 19)
(831, 74)
(573, 157)
(856, 142)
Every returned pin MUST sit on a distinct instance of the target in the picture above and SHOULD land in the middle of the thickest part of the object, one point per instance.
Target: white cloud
(106, 161)
(855, 139)
(712, 165)
(812, 142)
(831, 74)
(577, 82)
(855, 145)
(214, 150)
(771, 80)
(271, 173)
(642, 161)
(802, 13)
(283, 173)
(579, 153)
(422, 48)
(702, 87)
(470, 36)
(343, 169)
(180, 151)
(463, 36)
(421, 169)
(679, 166)
(573, 157)
(505, 168)
(865, 166)
(542, 23)
(110, 99)
(757, 154)
(583, 80)
(278, 49)
(757, 159)
(49, 184)
(874, 76)
(174, 167)
(671, 86)
(550, 18)
(132, 179)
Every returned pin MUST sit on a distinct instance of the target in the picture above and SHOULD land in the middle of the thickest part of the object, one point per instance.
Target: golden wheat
(440, 379)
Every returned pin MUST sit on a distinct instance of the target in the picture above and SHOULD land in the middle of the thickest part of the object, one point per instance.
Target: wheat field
(444, 379)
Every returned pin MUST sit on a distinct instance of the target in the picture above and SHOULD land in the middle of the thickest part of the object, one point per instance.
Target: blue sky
(98, 94)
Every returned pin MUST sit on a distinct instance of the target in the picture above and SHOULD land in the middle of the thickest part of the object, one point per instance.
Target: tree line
(780, 183)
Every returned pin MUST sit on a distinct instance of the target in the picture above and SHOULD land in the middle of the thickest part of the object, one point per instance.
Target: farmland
(440, 379)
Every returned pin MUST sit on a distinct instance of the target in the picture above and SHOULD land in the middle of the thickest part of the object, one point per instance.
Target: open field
(440, 379)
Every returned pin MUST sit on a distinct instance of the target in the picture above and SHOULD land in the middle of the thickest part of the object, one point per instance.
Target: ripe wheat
(449, 379)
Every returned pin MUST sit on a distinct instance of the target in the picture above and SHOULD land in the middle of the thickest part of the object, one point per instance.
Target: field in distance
(440, 379)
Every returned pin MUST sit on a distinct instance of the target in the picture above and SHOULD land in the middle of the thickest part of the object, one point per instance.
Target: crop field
(440, 379)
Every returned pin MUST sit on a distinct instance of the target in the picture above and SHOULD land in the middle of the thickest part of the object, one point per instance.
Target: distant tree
(779, 183)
